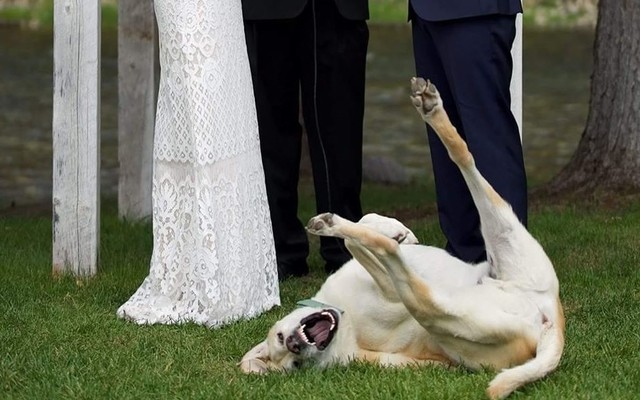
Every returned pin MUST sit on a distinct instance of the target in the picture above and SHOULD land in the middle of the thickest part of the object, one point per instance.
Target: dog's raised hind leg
(427, 101)
(496, 216)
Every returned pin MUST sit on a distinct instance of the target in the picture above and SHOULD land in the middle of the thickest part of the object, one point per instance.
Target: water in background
(557, 67)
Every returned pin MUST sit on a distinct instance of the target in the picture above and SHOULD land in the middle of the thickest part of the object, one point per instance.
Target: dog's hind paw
(424, 96)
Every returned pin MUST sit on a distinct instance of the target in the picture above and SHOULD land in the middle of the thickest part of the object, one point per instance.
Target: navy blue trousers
(469, 61)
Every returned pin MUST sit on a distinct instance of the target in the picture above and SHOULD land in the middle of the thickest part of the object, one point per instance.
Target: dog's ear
(256, 360)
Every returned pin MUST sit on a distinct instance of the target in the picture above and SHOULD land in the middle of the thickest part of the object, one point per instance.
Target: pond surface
(557, 68)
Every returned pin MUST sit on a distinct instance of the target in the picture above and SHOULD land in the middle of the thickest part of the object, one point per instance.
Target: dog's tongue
(319, 331)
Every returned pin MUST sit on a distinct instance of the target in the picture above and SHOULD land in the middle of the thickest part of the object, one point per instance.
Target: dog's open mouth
(318, 329)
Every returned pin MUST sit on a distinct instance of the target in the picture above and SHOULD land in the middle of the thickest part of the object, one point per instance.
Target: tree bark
(608, 155)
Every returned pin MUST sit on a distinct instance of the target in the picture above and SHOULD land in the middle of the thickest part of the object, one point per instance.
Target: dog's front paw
(424, 96)
(390, 227)
(322, 225)
(253, 366)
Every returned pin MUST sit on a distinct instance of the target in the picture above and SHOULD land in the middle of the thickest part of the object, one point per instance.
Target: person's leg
(333, 56)
(477, 53)
(272, 46)
(457, 214)
(474, 70)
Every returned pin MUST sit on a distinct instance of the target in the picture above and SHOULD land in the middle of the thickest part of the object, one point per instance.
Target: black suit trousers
(318, 57)
(470, 63)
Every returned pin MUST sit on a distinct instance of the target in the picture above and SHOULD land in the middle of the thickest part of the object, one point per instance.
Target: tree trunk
(608, 155)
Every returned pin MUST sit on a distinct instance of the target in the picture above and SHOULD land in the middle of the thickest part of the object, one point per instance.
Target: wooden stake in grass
(76, 137)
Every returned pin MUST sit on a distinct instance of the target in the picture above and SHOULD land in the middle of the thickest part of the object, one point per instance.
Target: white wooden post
(137, 60)
(76, 140)
(516, 78)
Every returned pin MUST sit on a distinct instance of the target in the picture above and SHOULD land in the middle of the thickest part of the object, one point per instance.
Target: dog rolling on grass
(398, 303)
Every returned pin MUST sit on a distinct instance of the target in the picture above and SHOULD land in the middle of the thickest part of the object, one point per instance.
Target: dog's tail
(547, 358)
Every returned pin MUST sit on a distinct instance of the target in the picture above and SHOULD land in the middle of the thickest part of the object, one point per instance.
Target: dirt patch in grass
(30, 210)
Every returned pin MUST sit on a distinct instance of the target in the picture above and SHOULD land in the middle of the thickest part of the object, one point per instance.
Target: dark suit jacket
(286, 9)
(443, 10)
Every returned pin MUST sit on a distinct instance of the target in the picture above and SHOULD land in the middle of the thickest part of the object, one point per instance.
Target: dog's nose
(293, 345)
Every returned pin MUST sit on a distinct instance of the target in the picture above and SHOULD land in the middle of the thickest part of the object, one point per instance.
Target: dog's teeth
(328, 314)
(304, 335)
(301, 332)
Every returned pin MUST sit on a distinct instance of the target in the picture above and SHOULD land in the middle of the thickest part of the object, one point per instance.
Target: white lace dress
(213, 256)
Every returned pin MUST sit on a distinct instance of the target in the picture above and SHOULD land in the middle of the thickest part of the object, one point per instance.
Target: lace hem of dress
(207, 219)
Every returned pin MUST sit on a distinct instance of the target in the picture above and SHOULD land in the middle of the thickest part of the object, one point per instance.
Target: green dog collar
(316, 304)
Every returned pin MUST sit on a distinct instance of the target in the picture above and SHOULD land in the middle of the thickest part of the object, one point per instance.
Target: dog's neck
(344, 346)
(316, 304)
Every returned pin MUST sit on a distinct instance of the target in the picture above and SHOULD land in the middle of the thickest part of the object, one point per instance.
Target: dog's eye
(280, 338)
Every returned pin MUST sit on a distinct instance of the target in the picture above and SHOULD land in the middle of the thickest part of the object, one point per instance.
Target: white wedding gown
(213, 258)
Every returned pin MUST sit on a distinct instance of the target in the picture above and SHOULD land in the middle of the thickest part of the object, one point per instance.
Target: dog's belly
(378, 324)
(497, 356)
(407, 338)
(437, 266)
(387, 327)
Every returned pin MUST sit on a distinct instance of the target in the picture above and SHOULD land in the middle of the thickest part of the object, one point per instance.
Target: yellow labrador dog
(399, 303)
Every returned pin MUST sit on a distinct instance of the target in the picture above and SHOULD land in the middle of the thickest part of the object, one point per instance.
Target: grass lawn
(61, 339)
